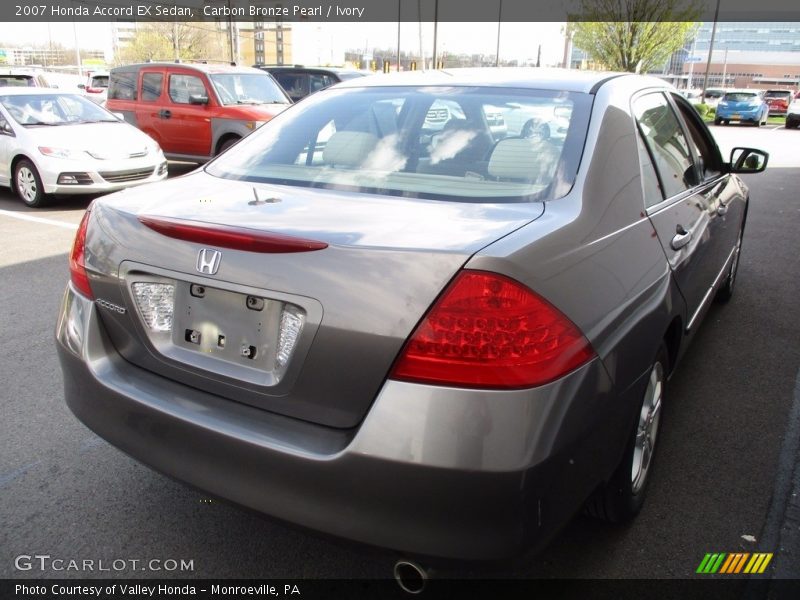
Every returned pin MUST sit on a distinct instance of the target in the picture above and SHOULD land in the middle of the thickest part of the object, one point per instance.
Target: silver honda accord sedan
(445, 340)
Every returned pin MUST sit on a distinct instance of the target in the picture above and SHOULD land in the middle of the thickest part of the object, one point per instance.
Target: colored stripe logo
(734, 563)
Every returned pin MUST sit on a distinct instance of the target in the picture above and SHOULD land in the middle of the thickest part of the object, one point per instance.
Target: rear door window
(151, 86)
(663, 135)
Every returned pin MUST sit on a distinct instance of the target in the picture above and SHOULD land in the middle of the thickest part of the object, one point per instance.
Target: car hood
(99, 138)
(387, 260)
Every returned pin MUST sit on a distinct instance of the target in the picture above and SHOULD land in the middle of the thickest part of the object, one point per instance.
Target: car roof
(35, 91)
(210, 68)
(570, 80)
(744, 91)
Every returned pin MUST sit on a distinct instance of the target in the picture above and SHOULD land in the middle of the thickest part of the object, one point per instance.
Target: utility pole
(398, 35)
(710, 50)
(435, 32)
(499, 20)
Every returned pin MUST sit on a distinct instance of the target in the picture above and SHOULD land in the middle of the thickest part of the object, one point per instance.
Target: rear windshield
(740, 97)
(778, 94)
(99, 81)
(470, 144)
(17, 81)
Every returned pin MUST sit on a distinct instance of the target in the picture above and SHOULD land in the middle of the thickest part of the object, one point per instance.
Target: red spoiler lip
(225, 236)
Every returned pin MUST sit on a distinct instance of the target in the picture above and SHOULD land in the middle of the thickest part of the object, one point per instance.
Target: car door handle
(722, 209)
(682, 237)
(164, 114)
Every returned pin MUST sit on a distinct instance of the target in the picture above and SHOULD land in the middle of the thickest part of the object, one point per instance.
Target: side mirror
(119, 116)
(81, 86)
(5, 128)
(198, 99)
(748, 160)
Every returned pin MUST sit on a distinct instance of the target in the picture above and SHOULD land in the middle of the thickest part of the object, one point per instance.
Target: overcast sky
(326, 42)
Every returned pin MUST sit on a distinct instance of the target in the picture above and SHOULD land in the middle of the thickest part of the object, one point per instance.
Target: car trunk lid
(377, 265)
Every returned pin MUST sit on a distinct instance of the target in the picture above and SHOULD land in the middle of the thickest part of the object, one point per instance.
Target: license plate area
(238, 334)
(242, 329)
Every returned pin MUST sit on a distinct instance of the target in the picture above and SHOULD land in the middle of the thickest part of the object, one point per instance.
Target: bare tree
(163, 41)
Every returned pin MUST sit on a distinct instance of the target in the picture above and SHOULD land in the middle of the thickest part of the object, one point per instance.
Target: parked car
(778, 101)
(441, 349)
(793, 112)
(15, 77)
(58, 142)
(299, 81)
(194, 110)
(711, 97)
(96, 87)
(742, 106)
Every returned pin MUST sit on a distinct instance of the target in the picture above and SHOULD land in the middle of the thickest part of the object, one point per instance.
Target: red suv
(194, 111)
(778, 101)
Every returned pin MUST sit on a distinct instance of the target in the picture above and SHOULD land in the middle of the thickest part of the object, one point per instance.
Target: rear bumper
(744, 114)
(430, 471)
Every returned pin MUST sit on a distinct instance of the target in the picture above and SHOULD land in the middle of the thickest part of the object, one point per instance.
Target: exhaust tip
(411, 577)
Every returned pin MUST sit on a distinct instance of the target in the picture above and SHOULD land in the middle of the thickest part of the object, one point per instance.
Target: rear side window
(151, 86)
(664, 137)
(122, 86)
(296, 85)
(181, 87)
(318, 81)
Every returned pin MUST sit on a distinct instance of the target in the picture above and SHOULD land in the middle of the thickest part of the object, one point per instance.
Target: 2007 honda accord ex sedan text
(439, 338)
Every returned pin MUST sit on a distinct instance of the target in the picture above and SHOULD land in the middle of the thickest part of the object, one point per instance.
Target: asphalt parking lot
(720, 483)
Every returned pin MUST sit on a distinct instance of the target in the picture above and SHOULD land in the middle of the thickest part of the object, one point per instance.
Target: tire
(622, 497)
(227, 144)
(725, 293)
(28, 184)
(717, 121)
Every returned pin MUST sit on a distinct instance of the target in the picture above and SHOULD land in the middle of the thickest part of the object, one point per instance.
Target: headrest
(348, 148)
(515, 158)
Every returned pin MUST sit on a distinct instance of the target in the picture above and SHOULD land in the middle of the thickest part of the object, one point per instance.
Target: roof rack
(195, 61)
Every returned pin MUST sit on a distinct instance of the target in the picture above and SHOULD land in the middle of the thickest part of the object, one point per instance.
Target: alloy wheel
(647, 428)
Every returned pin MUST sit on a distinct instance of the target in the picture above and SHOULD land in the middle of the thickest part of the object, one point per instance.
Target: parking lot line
(27, 217)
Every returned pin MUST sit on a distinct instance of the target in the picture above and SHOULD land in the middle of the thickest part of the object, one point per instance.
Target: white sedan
(58, 142)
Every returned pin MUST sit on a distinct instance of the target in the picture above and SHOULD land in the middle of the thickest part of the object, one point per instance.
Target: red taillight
(77, 268)
(224, 236)
(489, 331)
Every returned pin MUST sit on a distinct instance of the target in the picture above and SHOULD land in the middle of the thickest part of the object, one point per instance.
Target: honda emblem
(208, 261)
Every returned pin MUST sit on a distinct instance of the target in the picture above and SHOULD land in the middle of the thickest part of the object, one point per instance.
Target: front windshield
(469, 144)
(247, 88)
(54, 109)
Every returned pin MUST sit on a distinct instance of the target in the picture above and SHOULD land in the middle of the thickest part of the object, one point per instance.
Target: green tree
(634, 35)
